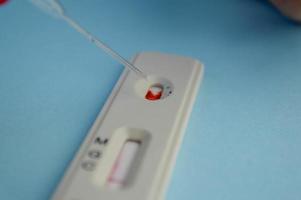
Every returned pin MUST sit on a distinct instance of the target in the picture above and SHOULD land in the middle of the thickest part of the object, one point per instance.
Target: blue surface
(243, 141)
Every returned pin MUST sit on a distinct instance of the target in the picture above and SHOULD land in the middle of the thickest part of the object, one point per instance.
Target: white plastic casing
(158, 126)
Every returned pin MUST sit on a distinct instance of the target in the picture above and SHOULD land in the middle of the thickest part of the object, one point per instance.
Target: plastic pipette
(56, 9)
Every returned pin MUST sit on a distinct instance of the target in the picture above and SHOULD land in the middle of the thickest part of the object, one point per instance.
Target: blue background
(243, 141)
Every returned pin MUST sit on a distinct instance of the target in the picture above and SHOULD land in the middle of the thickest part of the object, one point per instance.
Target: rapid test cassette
(130, 150)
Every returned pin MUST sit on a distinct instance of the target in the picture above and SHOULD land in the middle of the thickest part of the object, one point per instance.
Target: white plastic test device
(130, 150)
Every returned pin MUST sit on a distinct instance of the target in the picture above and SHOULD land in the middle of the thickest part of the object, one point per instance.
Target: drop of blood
(154, 93)
(2, 2)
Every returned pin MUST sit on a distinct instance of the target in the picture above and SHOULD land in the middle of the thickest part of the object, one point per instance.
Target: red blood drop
(2, 2)
(154, 93)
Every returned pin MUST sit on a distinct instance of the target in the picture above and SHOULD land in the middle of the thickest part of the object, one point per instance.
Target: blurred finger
(290, 8)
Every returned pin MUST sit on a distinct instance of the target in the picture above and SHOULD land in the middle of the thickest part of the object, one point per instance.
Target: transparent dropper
(55, 8)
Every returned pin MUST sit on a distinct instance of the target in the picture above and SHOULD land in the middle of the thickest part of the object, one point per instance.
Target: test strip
(124, 161)
(137, 135)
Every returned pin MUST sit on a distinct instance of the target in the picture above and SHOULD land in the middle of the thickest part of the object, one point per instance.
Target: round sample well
(154, 88)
